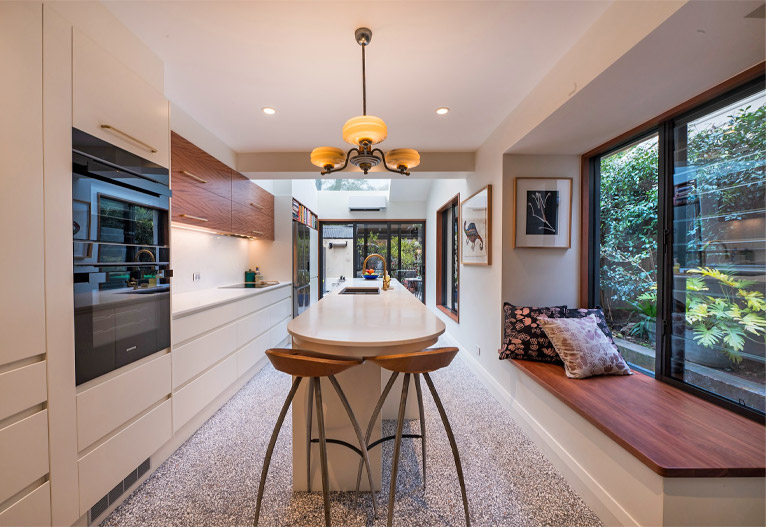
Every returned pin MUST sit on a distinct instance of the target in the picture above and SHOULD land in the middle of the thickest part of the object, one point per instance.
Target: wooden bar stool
(300, 364)
(413, 364)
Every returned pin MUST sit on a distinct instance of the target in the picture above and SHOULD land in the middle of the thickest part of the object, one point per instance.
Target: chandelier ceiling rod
(364, 82)
(363, 132)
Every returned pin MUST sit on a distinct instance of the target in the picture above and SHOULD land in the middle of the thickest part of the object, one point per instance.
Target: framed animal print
(543, 213)
(476, 230)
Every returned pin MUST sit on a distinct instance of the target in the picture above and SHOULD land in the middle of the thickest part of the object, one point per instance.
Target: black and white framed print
(543, 212)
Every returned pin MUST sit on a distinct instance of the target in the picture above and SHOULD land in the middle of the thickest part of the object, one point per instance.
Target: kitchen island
(361, 325)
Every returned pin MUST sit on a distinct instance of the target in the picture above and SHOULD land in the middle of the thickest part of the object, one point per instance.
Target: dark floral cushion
(523, 338)
(600, 319)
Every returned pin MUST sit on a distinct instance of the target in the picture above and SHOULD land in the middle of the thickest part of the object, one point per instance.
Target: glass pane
(371, 238)
(407, 251)
(337, 254)
(719, 251)
(372, 185)
(628, 249)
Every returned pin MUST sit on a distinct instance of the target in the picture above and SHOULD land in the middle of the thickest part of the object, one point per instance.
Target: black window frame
(664, 128)
(448, 287)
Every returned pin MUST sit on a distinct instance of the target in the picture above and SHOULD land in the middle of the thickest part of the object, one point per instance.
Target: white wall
(541, 277)
(220, 260)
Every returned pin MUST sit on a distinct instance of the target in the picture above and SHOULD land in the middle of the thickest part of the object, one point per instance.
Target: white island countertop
(389, 319)
(193, 301)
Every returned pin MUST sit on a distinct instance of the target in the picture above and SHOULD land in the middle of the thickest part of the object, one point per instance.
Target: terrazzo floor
(212, 480)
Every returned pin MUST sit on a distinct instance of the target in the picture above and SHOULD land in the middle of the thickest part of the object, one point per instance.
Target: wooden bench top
(672, 432)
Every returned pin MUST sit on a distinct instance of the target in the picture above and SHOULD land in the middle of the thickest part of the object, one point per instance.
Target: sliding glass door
(345, 245)
(678, 249)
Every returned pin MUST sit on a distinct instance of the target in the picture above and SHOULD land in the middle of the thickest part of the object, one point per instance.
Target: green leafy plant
(724, 319)
(646, 307)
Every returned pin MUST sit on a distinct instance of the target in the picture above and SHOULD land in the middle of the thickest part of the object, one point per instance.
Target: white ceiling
(700, 46)
(224, 61)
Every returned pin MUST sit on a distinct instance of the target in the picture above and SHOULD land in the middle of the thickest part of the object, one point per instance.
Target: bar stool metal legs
(399, 435)
(452, 444)
(315, 397)
(270, 449)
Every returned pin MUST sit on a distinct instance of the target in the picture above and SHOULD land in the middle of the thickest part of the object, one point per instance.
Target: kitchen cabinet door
(251, 221)
(113, 103)
(200, 208)
(194, 169)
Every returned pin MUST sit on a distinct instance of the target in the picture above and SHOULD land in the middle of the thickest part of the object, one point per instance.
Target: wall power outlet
(196, 277)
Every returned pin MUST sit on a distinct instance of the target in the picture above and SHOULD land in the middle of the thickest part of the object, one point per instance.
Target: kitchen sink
(360, 291)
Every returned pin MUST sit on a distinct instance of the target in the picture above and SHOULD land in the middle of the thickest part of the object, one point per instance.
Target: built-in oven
(120, 231)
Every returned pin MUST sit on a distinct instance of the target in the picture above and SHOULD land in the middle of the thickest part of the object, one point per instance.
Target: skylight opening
(354, 185)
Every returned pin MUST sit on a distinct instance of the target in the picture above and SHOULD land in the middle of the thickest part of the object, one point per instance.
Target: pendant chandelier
(363, 132)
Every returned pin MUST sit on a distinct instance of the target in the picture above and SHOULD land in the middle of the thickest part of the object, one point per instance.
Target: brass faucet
(386, 278)
(145, 251)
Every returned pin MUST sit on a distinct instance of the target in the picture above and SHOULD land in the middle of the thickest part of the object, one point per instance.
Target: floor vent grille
(119, 489)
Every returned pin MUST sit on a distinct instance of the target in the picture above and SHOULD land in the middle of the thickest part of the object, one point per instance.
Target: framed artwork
(476, 215)
(543, 213)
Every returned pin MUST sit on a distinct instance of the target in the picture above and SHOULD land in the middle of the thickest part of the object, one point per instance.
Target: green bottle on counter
(249, 276)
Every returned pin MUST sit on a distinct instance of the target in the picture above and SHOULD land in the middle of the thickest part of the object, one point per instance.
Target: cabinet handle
(189, 216)
(130, 137)
(185, 173)
(257, 206)
(258, 232)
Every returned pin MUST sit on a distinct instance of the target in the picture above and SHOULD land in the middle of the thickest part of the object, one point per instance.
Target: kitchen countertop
(389, 319)
(194, 301)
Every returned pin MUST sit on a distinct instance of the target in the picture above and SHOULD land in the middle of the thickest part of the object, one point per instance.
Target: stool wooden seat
(413, 364)
(300, 364)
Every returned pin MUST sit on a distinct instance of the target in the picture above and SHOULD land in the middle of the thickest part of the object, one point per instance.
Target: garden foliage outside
(725, 161)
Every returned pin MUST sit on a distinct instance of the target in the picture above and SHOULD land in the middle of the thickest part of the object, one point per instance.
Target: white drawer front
(106, 92)
(279, 332)
(252, 353)
(22, 388)
(252, 326)
(197, 355)
(107, 465)
(32, 510)
(108, 405)
(23, 453)
(188, 327)
(280, 310)
(192, 398)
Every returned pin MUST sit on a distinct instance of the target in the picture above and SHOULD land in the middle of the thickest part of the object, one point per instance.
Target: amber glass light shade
(364, 127)
(327, 155)
(406, 157)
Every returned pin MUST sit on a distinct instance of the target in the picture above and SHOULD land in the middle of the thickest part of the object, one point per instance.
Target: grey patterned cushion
(523, 338)
(600, 319)
(583, 347)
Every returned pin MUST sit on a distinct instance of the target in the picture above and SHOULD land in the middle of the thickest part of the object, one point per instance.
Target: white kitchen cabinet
(214, 347)
(106, 406)
(108, 464)
(22, 320)
(32, 510)
(113, 103)
(22, 388)
(24, 447)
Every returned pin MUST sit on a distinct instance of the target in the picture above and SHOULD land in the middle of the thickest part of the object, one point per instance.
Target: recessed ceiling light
(442, 110)
(269, 110)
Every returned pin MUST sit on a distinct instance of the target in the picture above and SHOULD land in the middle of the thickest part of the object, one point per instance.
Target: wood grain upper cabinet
(113, 103)
(252, 208)
(194, 169)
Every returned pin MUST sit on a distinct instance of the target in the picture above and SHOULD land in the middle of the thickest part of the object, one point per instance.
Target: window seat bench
(639, 451)
(672, 432)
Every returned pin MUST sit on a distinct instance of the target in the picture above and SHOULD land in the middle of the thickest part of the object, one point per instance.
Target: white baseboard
(597, 498)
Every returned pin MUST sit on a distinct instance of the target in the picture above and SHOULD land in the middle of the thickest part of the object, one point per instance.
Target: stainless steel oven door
(115, 326)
